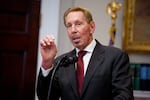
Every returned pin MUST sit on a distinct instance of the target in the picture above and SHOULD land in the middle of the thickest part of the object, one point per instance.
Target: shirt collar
(89, 48)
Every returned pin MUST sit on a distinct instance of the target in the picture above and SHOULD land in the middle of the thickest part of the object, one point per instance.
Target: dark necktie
(80, 70)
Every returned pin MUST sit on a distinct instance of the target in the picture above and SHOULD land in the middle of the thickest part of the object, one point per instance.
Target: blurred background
(24, 22)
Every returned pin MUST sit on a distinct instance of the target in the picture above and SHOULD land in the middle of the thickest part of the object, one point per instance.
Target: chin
(76, 45)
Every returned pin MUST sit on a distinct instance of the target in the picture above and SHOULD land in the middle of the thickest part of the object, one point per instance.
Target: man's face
(79, 30)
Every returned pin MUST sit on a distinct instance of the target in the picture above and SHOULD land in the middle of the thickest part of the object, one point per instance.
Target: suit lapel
(96, 59)
(71, 74)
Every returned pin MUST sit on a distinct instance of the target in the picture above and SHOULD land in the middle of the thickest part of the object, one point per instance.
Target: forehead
(75, 15)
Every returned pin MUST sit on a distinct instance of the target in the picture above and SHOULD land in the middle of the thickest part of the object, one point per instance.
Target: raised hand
(48, 51)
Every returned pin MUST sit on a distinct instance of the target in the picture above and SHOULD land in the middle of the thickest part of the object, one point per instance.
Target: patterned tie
(80, 70)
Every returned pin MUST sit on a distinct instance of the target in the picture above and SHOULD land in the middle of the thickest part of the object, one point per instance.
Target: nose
(73, 29)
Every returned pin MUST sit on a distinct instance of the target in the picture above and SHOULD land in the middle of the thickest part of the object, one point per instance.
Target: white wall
(52, 23)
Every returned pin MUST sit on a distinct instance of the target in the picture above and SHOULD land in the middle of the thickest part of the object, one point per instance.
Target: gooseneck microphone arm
(65, 61)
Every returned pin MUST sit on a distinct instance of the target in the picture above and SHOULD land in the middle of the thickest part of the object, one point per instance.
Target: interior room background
(52, 23)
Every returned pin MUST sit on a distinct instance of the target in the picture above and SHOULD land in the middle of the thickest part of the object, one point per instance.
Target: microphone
(65, 61)
(68, 60)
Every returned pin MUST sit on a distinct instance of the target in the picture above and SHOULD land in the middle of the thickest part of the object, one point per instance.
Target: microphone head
(72, 59)
(69, 60)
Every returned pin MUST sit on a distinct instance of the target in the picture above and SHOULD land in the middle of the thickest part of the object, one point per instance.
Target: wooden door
(19, 31)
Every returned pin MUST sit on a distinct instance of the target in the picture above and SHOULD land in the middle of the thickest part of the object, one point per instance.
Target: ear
(92, 26)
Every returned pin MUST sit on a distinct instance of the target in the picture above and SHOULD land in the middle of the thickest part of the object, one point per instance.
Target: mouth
(76, 39)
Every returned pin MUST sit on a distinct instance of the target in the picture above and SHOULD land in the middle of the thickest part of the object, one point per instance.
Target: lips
(76, 39)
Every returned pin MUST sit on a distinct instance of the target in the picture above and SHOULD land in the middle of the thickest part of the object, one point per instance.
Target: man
(106, 69)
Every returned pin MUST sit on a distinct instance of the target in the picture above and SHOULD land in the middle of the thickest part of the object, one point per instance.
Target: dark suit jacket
(107, 78)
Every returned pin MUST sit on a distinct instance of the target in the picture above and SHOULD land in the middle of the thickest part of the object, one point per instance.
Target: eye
(78, 24)
(68, 26)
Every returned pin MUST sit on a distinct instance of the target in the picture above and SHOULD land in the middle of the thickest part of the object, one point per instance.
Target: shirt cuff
(46, 72)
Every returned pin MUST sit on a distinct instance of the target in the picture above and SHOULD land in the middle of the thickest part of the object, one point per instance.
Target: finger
(47, 41)
(50, 38)
(42, 43)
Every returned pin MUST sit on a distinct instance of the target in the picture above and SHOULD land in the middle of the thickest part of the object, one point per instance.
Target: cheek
(86, 32)
(69, 34)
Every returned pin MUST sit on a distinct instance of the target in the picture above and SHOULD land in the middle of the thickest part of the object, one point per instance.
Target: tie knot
(81, 54)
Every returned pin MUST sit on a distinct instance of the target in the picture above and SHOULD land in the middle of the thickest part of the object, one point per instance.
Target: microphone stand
(64, 61)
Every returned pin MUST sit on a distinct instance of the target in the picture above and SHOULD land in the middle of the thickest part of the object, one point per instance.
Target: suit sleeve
(43, 87)
(121, 78)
